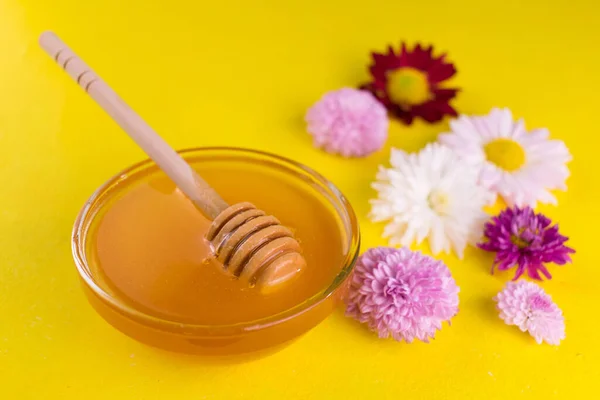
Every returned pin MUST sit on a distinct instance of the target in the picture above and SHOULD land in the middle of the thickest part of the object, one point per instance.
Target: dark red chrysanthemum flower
(409, 83)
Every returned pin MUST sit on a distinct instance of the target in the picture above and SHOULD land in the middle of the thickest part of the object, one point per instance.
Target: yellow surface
(220, 73)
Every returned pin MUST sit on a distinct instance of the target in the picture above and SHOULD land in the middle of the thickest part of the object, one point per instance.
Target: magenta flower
(348, 122)
(402, 293)
(527, 306)
(526, 240)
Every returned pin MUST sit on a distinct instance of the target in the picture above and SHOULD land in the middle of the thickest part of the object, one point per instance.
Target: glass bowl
(252, 337)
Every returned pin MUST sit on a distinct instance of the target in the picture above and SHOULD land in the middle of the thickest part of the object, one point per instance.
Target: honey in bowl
(141, 250)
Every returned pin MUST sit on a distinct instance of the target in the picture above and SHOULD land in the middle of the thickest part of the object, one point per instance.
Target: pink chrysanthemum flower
(402, 293)
(348, 122)
(527, 306)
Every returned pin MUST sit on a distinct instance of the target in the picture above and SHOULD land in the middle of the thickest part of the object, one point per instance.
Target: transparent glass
(251, 337)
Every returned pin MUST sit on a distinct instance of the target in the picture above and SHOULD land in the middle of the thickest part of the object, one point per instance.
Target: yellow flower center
(505, 154)
(519, 242)
(408, 86)
(438, 202)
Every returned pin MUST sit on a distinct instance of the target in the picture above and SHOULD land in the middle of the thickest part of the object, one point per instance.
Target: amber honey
(145, 248)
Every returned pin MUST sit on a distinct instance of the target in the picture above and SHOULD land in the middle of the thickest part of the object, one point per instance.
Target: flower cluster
(408, 83)
(439, 194)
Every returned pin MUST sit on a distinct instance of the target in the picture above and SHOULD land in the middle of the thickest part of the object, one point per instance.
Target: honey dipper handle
(196, 188)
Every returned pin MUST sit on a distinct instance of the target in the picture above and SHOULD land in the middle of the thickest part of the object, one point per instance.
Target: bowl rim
(80, 229)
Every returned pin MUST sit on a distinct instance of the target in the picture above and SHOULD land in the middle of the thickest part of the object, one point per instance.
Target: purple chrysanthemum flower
(524, 239)
(402, 293)
(527, 306)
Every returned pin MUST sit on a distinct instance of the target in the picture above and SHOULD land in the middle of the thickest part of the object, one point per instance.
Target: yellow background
(243, 74)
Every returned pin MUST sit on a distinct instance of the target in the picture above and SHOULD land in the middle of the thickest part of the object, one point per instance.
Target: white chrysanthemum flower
(430, 194)
(520, 166)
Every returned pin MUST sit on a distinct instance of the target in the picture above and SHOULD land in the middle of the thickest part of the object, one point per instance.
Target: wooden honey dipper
(251, 245)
